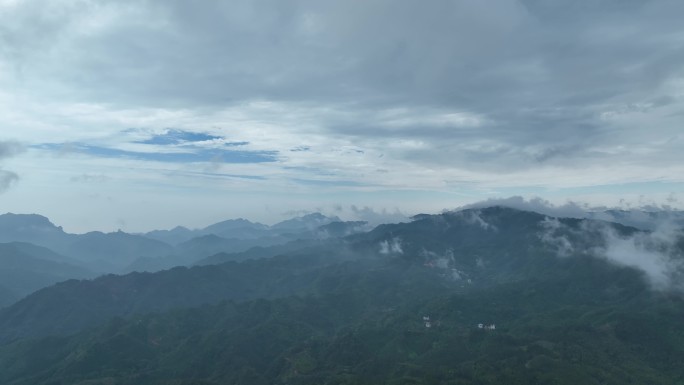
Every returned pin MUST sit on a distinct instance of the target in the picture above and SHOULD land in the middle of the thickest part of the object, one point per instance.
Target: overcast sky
(151, 114)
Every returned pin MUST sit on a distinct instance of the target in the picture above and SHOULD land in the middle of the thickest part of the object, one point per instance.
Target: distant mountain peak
(314, 215)
(32, 228)
(26, 220)
(207, 237)
(232, 224)
(309, 221)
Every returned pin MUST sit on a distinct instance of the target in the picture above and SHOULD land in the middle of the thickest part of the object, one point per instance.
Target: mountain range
(25, 268)
(480, 296)
(118, 252)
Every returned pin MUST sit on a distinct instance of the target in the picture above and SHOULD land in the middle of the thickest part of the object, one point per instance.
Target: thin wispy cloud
(186, 155)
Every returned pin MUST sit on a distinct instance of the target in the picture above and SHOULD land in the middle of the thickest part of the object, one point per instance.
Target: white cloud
(392, 246)
(552, 235)
(656, 254)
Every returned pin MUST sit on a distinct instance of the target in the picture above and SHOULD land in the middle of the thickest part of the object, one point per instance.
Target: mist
(657, 254)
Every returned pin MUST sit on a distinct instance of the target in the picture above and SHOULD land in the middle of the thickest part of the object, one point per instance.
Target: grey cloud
(220, 52)
(7, 178)
(556, 152)
(539, 73)
(9, 149)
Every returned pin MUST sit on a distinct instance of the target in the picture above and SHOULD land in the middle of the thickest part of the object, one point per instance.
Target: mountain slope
(207, 245)
(22, 270)
(368, 326)
(173, 237)
(72, 305)
(161, 249)
(98, 251)
(115, 250)
(645, 220)
(309, 222)
(32, 228)
(477, 249)
(44, 253)
(232, 228)
(7, 297)
(237, 229)
(224, 239)
(356, 311)
(264, 251)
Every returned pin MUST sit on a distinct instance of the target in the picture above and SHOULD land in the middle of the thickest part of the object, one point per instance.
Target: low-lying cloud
(392, 246)
(474, 218)
(658, 254)
(552, 235)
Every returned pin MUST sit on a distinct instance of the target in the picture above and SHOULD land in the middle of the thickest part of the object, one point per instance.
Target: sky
(138, 115)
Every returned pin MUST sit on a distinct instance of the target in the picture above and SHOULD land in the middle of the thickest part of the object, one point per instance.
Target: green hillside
(591, 323)
(402, 304)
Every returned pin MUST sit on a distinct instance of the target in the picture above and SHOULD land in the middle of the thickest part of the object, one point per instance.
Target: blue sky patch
(178, 137)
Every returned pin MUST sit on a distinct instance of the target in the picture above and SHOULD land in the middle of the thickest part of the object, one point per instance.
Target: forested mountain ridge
(75, 304)
(25, 268)
(403, 303)
(370, 327)
(121, 252)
